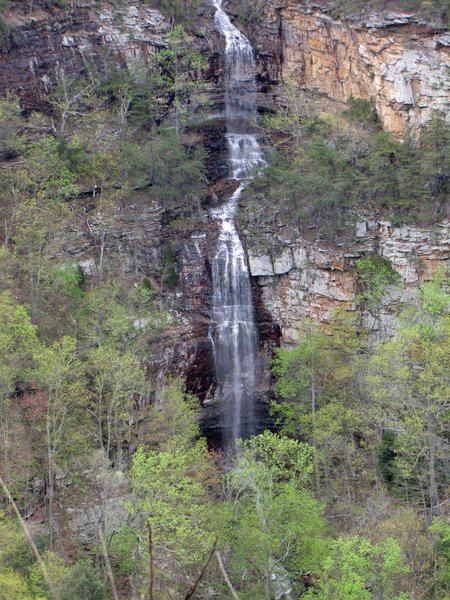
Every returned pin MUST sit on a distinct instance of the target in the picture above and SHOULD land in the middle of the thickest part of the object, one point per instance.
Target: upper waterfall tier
(240, 90)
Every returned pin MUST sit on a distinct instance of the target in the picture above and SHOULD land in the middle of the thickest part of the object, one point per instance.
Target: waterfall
(233, 331)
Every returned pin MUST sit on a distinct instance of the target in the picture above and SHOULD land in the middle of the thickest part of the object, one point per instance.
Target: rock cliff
(397, 61)
(400, 63)
(313, 279)
(48, 43)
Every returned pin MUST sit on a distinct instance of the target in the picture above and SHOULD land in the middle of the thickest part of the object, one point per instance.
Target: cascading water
(233, 331)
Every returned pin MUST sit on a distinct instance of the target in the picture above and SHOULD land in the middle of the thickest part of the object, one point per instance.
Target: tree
(118, 380)
(435, 147)
(18, 341)
(376, 274)
(113, 316)
(82, 582)
(275, 524)
(318, 396)
(170, 513)
(172, 503)
(178, 10)
(356, 569)
(408, 379)
(440, 529)
(179, 66)
(59, 373)
(298, 370)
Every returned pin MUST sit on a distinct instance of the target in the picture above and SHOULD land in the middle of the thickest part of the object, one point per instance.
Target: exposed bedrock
(399, 62)
(313, 278)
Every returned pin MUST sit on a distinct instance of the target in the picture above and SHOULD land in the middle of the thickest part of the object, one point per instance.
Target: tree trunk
(43, 568)
(433, 490)
(50, 476)
(109, 570)
(150, 560)
(134, 575)
(313, 413)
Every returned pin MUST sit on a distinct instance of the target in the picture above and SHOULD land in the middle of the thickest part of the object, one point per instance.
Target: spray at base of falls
(233, 332)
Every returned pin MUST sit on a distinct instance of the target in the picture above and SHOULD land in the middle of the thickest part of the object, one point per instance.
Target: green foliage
(408, 384)
(15, 554)
(82, 582)
(356, 569)
(361, 110)
(8, 33)
(171, 500)
(13, 585)
(318, 401)
(17, 342)
(170, 273)
(440, 530)
(170, 497)
(247, 13)
(172, 172)
(177, 10)
(386, 457)
(118, 380)
(178, 64)
(324, 168)
(133, 93)
(274, 522)
(49, 177)
(57, 570)
(19, 576)
(376, 273)
(281, 458)
(318, 369)
(112, 316)
(70, 278)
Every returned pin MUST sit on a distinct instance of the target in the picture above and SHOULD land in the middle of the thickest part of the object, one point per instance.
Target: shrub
(375, 273)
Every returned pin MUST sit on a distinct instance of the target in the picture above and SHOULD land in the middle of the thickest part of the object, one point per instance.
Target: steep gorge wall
(47, 44)
(294, 43)
(403, 65)
(400, 63)
(315, 278)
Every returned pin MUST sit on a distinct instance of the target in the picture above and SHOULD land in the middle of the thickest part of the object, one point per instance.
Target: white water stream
(233, 331)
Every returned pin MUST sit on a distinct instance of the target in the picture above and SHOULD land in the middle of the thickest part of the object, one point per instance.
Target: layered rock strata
(47, 44)
(313, 278)
(401, 64)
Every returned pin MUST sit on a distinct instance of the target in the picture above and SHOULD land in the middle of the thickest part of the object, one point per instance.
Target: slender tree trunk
(433, 492)
(102, 253)
(193, 589)
(5, 430)
(313, 413)
(150, 561)
(109, 570)
(50, 475)
(134, 575)
(43, 568)
(225, 576)
(267, 582)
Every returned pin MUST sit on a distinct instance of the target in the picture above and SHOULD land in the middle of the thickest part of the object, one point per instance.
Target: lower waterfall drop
(233, 331)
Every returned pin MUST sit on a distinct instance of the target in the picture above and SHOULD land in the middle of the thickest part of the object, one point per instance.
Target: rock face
(399, 63)
(48, 43)
(312, 279)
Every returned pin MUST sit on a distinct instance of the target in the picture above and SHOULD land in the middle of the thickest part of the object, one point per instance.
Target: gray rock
(284, 262)
(260, 265)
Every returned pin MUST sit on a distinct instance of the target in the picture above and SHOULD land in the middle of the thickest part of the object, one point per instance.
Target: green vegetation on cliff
(428, 9)
(324, 168)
